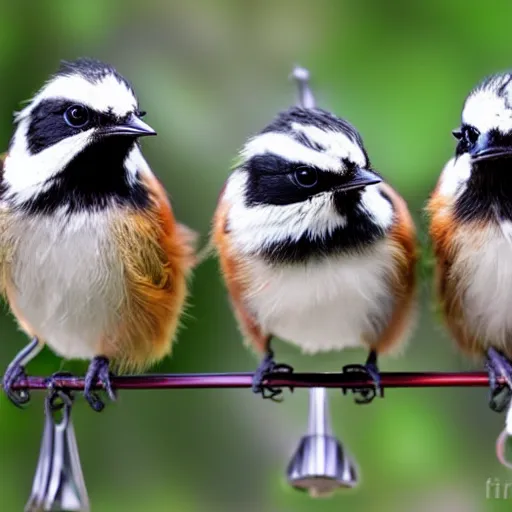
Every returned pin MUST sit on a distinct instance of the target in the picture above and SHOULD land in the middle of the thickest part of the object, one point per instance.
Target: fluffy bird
(92, 261)
(471, 230)
(314, 247)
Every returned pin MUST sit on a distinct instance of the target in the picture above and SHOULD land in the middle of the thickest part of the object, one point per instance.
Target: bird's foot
(15, 374)
(369, 370)
(268, 365)
(98, 371)
(499, 366)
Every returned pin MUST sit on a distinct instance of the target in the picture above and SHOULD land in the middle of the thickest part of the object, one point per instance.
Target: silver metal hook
(58, 483)
(504, 439)
(51, 407)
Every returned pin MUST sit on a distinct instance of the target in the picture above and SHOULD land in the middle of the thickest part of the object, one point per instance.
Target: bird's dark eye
(140, 113)
(76, 116)
(467, 134)
(306, 177)
(467, 137)
(470, 134)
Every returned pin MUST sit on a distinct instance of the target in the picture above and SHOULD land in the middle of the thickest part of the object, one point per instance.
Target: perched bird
(314, 247)
(92, 260)
(471, 230)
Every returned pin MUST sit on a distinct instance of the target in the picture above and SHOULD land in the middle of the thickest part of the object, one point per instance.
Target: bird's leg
(499, 366)
(268, 365)
(98, 371)
(371, 370)
(15, 373)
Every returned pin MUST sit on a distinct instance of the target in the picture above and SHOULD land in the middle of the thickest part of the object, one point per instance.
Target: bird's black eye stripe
(274, 165)
(49, 124)
(275, 180)
(268, 164)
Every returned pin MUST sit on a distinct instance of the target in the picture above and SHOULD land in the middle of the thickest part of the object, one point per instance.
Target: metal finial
(321, 465)
(306, 98)
(58, 483)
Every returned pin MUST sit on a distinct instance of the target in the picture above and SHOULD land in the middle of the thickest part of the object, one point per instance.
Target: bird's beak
(362, 178)
(491, 146)
(133, 126)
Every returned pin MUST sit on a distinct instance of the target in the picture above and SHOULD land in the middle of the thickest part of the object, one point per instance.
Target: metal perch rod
(294, 380)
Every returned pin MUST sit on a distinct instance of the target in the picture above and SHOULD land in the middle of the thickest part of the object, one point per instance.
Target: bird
(470, 213)
(93, 263)
(315, 248)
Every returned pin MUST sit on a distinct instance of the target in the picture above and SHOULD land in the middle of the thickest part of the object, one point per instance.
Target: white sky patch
(336, 143)
(485, 110)
(107, 93)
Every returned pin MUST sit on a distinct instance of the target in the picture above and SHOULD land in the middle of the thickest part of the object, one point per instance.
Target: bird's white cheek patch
(26, 173)
(455, 175)
(255, 227)
(379, 208)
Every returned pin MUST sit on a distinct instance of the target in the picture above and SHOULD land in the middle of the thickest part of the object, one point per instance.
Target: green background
(211, 73)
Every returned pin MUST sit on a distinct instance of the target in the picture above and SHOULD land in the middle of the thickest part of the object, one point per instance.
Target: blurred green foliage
(211, 73)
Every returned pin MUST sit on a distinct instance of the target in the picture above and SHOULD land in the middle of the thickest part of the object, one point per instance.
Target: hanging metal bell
(59, 483)
(320, 464)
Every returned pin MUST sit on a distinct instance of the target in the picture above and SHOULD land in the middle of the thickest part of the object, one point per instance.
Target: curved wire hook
(56, 400)
(503, 440)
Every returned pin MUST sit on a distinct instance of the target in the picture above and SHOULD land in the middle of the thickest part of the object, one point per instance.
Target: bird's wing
(402, 238)
(157, 254)
(235, 277)
(442, 232)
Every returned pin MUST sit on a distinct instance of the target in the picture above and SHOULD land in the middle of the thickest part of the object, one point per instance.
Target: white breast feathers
(482, 269)
(335, 303)
(67, 279)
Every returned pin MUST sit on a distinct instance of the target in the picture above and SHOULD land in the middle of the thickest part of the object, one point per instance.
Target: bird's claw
(267, 366)
(368, 370)
(98, 371)
(497, 366)
(14, 375)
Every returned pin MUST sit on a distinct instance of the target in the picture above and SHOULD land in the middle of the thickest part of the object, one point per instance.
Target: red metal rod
(295, 380)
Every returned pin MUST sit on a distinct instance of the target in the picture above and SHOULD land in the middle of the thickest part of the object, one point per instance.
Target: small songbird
(92, 261)
(314, 247)
(471, 230)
